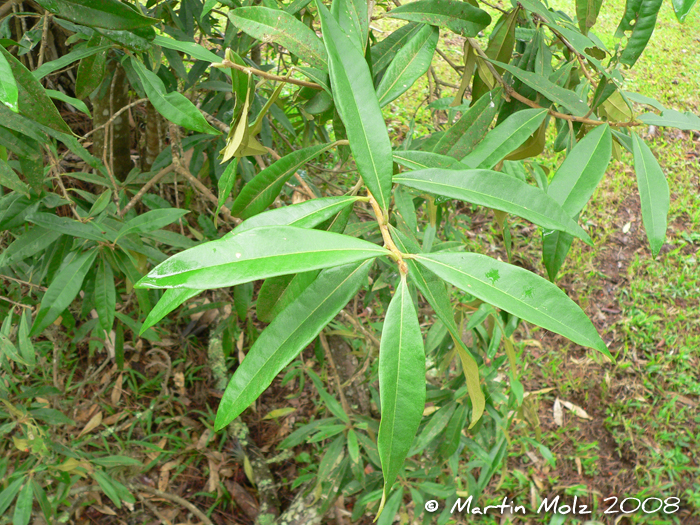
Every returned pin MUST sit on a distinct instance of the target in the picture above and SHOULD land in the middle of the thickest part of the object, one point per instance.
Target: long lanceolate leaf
(410, 63)
(260, 192)
(173, 106)
(517, 291)
(258, 254)
(495, 190)
(571, 187)
(8, 87)
(640, 17)
(356, 100)
(273, 25)
(401, 384)
(433, 289)
(653, 193)
(505, 138)
(109, 14)
(291, 331)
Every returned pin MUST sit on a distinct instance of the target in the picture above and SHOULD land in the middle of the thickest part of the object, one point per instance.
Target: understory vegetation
(252, 275)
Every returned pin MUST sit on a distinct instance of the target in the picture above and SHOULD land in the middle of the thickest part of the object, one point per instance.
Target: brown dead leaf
(91, 425)
(575, 409)
(245, 501)
(103, 509)
(164, 477)
(213, 482)
(558, 413)
(117, 390)
(203, 440)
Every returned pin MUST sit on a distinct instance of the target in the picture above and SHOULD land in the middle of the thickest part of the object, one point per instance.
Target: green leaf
(8, 495)
(587, 13)
(226, 183)
(171, 299)
(556, 94)
(644, 13)
(33, 102)
(26, 348)
(352, 18)
(258, 254)
(653, 193)
(62, 291)
(173, 106)
(465, 134)
(578, 176)
(501, 45)
(273, 25)
(110, 14)
(151, 220)
(303, 215)
(401, 384)
(30, 243)
(262, 191)
(675, 119)
(9, 95)
(460, 17)
(23, 507)
(10, 351)
(77, 104)
(418, 160)
(9, 179)
(518, 291)
(191, 48)
(411, 62)
(433, 289)
(105, 295)
(91, 70)
(356, 100)
(44, 503)
(384, 52)
(107, 487)
(117, 461)
(682, 8)
(495, 190)
(277, 292)
(331, 402)
(505, 138)
(290, 332)
(68, 59)
(68, 226)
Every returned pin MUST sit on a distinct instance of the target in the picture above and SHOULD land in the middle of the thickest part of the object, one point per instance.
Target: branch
(264, 74)
(175, 499)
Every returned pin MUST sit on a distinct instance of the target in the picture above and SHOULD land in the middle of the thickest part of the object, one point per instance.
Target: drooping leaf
(290, 332)
(9, 179)
(69, 58)
(433, 289)
(260, 192)
(501, 45)
(274, 25)
(572, 186)
(191, 48)
(653, 193)
(356, 100)
(495, 190)
(77, 104)
(401, 384)
(173, 106)
(33, 102)
(9, 95)
(62, 291)
(7, 496)
(26, 348)
(226, 183)
(31, 242)
(518, 291)
(171, 299)
(681, 8)
(505, 138)
(410, 63)
(23, 507)
(587, 13)
(110, 14)
(352, 18)
(640, 18)
(258, 254)
(105, 295)
(465, 134)
(460, 17)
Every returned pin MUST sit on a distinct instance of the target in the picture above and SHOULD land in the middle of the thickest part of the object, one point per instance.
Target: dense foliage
(263, 90)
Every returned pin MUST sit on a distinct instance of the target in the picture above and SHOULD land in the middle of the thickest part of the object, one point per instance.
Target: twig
(44, 38)
(264, 74)
(113, 117)
(7, 6)
(576, 54)
(383, 222)
(361, 328)
(175, 499)
(153, 509)
(136, 198)
(25, 283)
(215, 122)
(7, 299)
(454, 66)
